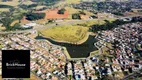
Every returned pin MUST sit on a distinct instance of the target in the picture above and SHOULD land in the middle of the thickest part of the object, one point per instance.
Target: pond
(76, 51)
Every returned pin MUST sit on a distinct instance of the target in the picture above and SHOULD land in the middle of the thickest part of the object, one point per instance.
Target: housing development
(74, 39)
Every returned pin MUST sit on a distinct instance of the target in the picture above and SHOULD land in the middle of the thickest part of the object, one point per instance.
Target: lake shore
(77, 43)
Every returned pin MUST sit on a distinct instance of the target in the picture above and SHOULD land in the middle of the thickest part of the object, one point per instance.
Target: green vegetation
(76, 16)
(61, 11)
(67, 33)
(94, 22)
(82, 12)
(23, 6)
(7, 20)
(118, 13)
(35, 16)
(113, 24)
(46, 2)
(94, 53)
(10, 3)
(5, 6)
(72, 1)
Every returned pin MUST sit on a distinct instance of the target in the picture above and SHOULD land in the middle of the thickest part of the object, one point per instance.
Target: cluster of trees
(35, 16)
(82, 12)
(76, 16)
(61, 11)
(23, 6)
(6, 18)
(118, 13)
(5, 6)
(46, 2)
(114, 24)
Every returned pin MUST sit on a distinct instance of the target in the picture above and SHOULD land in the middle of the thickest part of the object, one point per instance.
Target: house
(29, 25)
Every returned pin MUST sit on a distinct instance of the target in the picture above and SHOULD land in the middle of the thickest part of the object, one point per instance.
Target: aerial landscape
(75, 39)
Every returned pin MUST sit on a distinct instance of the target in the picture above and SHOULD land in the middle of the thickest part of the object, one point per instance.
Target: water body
(76, 51)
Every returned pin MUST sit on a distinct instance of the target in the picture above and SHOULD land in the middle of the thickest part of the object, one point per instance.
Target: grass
(73, 11)
(61, 3)
(94, 53)
(4, 9)
(39, 7)
(28, 2)
(1, 28)
(72, 1)
(67, 33)
(33, 77)
(95, 21)
(11, 3)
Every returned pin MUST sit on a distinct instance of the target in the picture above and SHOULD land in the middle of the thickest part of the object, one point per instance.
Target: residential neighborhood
(71, 39)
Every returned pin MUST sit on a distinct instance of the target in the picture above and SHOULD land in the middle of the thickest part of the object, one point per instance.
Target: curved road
(41, 27)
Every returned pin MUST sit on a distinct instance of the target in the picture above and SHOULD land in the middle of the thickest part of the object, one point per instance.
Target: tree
(61, 11)
(82, 12)
(16, 26)
(6, 22)
(35, 16)
(6, 19)
(76, 16)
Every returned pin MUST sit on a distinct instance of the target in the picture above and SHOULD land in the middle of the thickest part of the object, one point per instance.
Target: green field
(67, 33)
(95, 21)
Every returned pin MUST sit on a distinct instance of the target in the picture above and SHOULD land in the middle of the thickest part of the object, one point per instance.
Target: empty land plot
(73, 11)
(11, 3)
(4, 9)
(95, 21)
(67, 33)
(28, 2)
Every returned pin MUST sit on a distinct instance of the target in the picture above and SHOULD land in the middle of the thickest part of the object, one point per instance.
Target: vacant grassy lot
(28, 2)
(72, 1)
(67, 33)
(73, 10)
(11, 3)
(4, 9)
(94, 21)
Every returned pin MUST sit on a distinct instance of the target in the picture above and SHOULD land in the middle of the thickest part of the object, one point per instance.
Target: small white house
(29, 25)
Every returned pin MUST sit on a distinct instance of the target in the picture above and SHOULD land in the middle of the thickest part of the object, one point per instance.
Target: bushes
(107, 25)
(35, 16)
(5, 6)
(23, 6)
(61, 11)
(82, 12)
(114, 24)
(118, 13)
(76, 16)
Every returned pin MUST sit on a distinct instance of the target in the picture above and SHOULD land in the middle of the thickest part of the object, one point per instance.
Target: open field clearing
(33, 77)
(73, 11)
(61, 3)
(39, 7)
(4, 9)
(72, 1)
(11, 3)
(67, 33)
(1, 28)
(28, 2)
(94, 53)
(95, 21)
